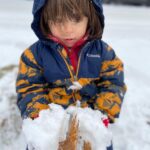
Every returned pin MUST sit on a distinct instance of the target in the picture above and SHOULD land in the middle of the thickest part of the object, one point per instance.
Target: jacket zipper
(74, 77)
(78, 66)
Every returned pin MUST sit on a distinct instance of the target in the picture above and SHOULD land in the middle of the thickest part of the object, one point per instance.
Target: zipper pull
(75, 78)
(78, 103)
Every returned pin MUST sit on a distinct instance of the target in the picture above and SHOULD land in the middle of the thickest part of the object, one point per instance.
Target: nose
(67, 27)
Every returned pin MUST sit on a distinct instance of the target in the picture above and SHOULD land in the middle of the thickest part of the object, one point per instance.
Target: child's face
(69, 31)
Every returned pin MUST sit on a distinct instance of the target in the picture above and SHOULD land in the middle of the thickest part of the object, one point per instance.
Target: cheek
(84, 26)
(83, 29)
(54, 31)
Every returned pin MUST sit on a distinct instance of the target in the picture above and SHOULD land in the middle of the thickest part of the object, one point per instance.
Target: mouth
(69, 40)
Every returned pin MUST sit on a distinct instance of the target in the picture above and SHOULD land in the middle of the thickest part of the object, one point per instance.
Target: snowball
(91, 128)
(42, 133)
(46, 131)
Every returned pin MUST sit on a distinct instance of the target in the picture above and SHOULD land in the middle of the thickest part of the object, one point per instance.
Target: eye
(77, 19)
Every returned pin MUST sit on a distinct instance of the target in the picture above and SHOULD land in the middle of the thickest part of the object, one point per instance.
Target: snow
(55, 122)
(127, 28)
(127, 31)
(45, 128)
(15, 31)
(10, 120)
(90, 121)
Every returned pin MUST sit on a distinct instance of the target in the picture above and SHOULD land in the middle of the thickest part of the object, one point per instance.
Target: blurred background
(127, 30)
(129, 2)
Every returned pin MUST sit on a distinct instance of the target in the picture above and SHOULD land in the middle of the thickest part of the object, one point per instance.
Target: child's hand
(76, 86)
(106, 121)
(34, 116)
(36, 108)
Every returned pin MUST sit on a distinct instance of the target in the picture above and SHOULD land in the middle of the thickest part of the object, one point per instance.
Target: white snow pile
(46, 131)
(10, 120)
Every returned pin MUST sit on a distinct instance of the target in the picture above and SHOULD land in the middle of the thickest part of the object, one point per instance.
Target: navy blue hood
(37, 7)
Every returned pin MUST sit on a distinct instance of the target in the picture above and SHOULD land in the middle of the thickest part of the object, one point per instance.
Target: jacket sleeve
(31, 86)
(111, 86)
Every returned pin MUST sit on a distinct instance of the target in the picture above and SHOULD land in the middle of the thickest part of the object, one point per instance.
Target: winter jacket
(45, 74)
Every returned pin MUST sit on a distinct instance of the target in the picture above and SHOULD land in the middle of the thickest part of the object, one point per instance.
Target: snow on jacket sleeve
(111, 86)
(31, 86)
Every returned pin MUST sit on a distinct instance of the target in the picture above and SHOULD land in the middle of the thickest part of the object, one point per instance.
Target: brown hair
(60, 10)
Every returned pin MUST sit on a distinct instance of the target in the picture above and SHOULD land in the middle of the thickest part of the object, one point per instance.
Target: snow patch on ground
(10, 120)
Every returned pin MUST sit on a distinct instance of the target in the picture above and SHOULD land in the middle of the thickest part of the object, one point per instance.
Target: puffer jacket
(45, 74)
